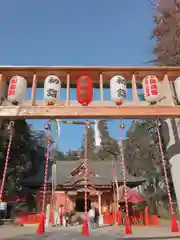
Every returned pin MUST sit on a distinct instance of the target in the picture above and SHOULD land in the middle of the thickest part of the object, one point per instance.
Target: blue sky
(81, 32)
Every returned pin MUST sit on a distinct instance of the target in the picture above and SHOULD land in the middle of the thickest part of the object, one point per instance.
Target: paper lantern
(118, 89)
(177, 88)
(84, 90)
(151, 89)
(17, 89)
(52, 86)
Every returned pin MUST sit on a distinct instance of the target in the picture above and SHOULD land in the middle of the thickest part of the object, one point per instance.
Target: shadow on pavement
(155, 238)
(28, 237)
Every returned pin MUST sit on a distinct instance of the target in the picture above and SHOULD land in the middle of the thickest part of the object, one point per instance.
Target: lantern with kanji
(84, 90)
(118, 89)
(52, 86)
(151, 88)
(17, 89)
(177, 88)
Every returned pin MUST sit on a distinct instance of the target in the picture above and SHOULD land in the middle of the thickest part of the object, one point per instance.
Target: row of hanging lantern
(118, 89)
(52, 85)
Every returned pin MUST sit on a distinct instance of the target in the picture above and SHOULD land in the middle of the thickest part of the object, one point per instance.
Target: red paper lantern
(84, 90)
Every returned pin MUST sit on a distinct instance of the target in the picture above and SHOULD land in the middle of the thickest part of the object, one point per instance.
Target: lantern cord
(164, 169)
(46, 174)
(115, 191)
(86, 172)
(128, 227)
(124, 182)
(11, 127)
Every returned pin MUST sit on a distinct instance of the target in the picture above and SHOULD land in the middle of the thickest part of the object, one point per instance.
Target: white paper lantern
(177, 88)
(97, 135)
(17, 89)
(151, 89)
(52, 86)
(118, 89)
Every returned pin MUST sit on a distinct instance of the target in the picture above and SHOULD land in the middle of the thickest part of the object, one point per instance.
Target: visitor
(123, 215)
(66, 218)
(96, 217)
(56, 218)
(61, 213)
(91, 216)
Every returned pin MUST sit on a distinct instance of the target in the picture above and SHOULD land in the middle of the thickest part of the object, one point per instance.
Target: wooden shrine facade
(70, 182)
(101, 108)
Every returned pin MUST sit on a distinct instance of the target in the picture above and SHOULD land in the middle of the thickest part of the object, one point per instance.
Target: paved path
(74, 233)
(59, 234)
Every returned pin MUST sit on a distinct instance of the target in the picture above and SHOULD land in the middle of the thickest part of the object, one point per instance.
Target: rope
(11, 126)
(164, 169)
(46, 175)
(123, 171)
(115, 191)
(86, 172)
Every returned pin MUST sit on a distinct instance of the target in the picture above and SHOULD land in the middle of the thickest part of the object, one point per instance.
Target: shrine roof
(103, 174)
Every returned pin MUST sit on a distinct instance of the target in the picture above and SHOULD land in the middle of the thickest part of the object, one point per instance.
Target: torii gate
(34, 109)
(135, 108)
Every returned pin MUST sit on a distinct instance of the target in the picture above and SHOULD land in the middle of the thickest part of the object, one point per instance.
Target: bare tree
(167, 33)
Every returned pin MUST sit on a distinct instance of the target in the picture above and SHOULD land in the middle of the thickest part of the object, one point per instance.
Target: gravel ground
(74, 233)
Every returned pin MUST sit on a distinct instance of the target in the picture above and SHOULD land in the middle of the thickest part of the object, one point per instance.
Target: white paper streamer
(97, 134)
(58, 132)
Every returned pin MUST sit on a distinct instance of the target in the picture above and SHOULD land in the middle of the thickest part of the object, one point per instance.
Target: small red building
(68, 184)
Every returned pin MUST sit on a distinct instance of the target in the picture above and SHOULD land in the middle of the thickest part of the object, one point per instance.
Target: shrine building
(69, 184)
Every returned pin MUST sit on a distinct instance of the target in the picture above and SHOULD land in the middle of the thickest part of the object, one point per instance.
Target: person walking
(66, 218)
(61, 213)
(96, 217)
(91, 217)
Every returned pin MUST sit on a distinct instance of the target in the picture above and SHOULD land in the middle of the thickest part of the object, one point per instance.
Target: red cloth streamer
(128, 229)
(11, 125)
(174, 226)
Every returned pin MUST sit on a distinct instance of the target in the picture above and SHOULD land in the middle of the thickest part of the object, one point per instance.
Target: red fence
(138, 218)
(29, 218)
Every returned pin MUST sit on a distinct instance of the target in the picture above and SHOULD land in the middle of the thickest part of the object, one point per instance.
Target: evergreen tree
(26, 153)
(143, 158)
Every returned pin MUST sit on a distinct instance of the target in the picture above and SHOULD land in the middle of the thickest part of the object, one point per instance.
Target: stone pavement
(74, 233)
